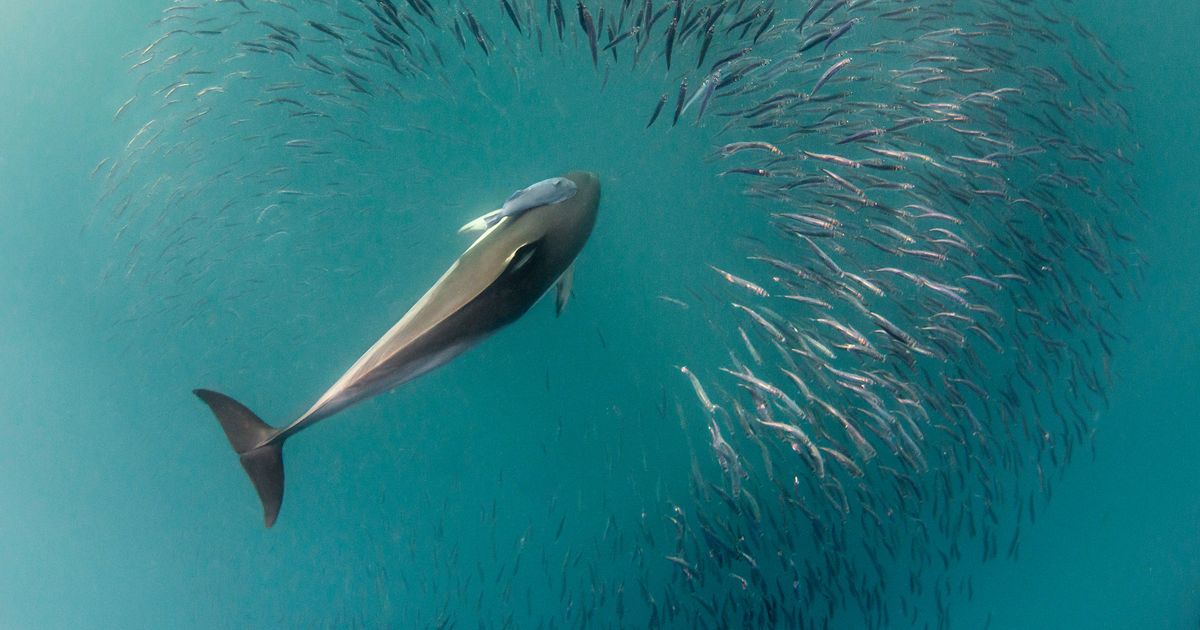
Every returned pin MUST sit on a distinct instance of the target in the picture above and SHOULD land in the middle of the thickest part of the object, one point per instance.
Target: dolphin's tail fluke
(252, 439)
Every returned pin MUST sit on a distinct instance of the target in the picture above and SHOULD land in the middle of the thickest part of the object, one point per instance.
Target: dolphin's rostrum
(494, 282)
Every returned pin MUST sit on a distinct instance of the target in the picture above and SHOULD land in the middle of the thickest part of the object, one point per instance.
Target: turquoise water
(455, 499)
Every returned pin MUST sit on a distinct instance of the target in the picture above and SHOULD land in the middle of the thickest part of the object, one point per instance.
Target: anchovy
(745, 284)
(670, 41)
(735, 147)
(679, 101)
(512, 15)
(589, 29)
(729, 59)
(828, 74)
(662, 100)
(700, 393)
(708, 35)
(837, 33)
(704, 93)
(620, 38)
(807, 14)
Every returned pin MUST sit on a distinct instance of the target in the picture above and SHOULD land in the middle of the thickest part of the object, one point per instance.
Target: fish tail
(482, 223)
(256, 444)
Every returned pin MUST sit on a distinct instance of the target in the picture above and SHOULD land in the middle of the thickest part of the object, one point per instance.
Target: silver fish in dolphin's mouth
(543, 193)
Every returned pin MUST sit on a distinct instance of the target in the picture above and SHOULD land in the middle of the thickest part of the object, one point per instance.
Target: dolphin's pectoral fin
(258, 446)
(482, 223)
(565, 282)
(520, 257)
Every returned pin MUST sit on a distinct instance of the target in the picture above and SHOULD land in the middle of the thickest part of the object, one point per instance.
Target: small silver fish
(543, 193)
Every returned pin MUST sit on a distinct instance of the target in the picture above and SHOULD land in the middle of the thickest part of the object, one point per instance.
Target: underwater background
(513, 486)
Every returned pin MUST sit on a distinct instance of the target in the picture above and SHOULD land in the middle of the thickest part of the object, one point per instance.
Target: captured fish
(547, 191)
(493, 283)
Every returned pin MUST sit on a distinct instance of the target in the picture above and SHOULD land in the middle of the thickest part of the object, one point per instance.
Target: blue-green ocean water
(121, 506)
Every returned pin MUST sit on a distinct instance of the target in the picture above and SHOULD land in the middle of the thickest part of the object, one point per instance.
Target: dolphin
(495, 281)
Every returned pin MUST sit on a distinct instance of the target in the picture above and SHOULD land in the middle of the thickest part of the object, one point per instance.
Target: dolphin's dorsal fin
(565, 282)
(482, 223)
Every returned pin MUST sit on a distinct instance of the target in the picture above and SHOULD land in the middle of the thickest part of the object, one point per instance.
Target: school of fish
(917, 344)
